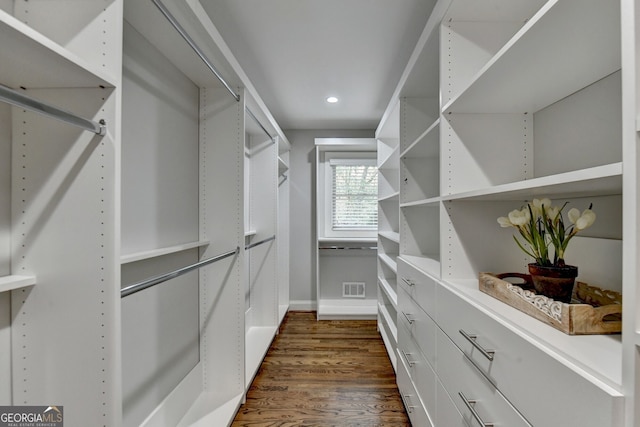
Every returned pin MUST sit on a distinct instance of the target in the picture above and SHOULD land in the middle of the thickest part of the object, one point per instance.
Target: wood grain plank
(324, 373)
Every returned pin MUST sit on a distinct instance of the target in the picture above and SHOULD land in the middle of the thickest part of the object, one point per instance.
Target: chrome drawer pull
(408, 282)
(410, 320)
(406, 357)
(472, 339)
(469, 404)
(404, 398)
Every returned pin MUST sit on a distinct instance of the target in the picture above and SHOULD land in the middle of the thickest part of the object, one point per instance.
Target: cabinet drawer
(420, 371)
(420, 286)
(466, 385)
(447, 414)
(421, 327)
(412, 403)
(526, 375)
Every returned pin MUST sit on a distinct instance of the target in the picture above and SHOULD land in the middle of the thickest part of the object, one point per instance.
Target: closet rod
(253, 245)
(137, 287)
(255, 119)
(19, 99)
(194, 46)
(373, 248)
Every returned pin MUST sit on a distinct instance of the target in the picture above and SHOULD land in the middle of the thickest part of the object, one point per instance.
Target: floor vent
(353, 289)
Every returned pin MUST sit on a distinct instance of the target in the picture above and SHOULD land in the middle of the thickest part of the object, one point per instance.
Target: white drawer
(412, 403)
(527, 376)
(420, 286)
(420, 371)
(447, 414)
(465, 384)
(419, 324)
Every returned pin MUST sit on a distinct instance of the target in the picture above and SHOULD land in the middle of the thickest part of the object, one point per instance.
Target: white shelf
(532, 71)
(210, 410)
(32, 60)
(427, 144)
(257, 342)
(428, 265)
(391, 262)
(282, 166)
(597, 181)
(423, 202)
(250, 233)
(154, 253)
(10, 283)
(391, 348)
(595, 357)
(389, 291)
(390, 322)
(391, 162)
(329, 309)
(348, 239)
(390, 197)
(390, 235)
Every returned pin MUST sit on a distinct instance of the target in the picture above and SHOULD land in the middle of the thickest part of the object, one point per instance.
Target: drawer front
(420, 371)
(530, 378)
(419, 324)
(447, 414)
(413, 405)
(420, 286)
(474, 396)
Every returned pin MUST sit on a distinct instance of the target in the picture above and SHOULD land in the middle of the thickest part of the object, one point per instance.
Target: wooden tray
(592, 310)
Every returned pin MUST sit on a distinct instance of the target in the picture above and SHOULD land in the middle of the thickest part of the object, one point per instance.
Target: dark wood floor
(327, 373)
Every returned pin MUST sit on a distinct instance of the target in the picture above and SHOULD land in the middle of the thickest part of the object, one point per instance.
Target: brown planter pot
(554, 282)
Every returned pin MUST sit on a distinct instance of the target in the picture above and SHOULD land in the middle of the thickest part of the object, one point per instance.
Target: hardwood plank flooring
(324, 373)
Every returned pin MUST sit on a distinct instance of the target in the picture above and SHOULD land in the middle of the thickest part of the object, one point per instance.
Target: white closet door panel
(159, 150)
(65, 232)
(160, 334)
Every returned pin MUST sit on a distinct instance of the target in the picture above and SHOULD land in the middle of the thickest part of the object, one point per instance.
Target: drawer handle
(408, 282)
(406, 357)
(410, 320)
(470, 405)
(404, 398)
(472, 339)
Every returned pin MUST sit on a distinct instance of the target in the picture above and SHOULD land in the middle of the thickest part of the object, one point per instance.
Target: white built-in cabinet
(83, 215)
(501, 102)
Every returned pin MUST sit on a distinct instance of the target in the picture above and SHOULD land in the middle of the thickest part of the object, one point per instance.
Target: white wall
(303, 210)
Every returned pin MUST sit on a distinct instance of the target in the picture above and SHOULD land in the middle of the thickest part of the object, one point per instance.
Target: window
(354, 195)
(348, 195)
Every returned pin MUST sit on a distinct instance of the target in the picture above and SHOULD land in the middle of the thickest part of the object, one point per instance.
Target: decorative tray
(592, 310)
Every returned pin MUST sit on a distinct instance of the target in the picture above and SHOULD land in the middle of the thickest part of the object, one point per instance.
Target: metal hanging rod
(194, 46)
(255, 119)
(373, 248)
(137, 287)
(19, 99)
(253, 245)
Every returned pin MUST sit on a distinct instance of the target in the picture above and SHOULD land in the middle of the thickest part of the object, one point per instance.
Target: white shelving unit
(88, 214)
(522, 94)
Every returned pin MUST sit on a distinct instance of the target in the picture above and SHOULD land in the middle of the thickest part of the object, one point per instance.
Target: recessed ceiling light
(332, 100)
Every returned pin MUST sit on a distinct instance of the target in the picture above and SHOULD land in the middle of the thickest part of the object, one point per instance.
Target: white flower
(581, 220)
(504, 222)
(552, 211)
(537, 204)
(518, 218)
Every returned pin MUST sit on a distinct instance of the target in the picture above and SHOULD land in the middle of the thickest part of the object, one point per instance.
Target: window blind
(354, 194)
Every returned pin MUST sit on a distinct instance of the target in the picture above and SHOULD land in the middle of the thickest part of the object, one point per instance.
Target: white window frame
(368, 157)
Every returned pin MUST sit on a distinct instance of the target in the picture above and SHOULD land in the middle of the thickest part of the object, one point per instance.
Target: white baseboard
(302, 305)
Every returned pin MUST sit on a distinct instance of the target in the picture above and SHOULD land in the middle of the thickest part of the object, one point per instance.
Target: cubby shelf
(57, 67)
(388, 290)
(389, 261)
(520, 78)
(390, 235)
(427, 144)
(428, 264)
(389, 197)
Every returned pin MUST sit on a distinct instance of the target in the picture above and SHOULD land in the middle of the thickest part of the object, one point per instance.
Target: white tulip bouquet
(540, 225)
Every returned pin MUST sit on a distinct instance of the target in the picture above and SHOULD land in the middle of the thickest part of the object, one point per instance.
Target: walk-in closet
(233, 212)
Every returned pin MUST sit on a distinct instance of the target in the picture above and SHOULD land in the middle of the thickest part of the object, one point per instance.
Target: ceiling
(299, 52)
